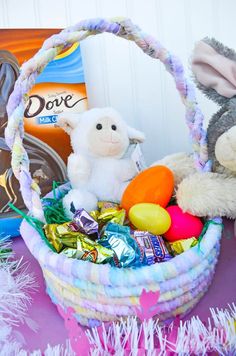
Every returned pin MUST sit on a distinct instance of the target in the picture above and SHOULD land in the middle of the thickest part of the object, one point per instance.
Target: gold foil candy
(61, 235)
(181, 246)
(94, 214)
(105, 205)
(93, 252)
(89, 250)
(119, 217)
(53, 237)
(110, 212)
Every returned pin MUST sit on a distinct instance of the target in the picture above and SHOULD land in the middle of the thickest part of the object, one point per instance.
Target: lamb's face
(107, 137)
(99, 132)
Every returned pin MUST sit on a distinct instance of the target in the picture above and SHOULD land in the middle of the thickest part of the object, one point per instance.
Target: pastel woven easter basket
(101, 292)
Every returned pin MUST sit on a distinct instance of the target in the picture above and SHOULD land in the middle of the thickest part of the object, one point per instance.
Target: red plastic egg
(153, 185)
(183, 225)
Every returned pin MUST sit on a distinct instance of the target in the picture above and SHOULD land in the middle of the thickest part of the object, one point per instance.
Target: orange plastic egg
(153, 185)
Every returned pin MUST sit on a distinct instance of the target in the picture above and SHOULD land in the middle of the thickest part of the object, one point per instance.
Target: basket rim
(113, 276)
(122, 293)
(64, 188)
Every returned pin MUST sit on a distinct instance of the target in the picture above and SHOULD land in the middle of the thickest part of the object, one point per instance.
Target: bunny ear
(214, 68)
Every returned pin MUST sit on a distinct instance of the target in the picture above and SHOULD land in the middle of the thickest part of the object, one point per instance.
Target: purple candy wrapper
(153, 245)
(84, 223)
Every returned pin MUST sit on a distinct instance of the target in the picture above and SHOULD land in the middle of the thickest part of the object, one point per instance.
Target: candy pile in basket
(147, 227)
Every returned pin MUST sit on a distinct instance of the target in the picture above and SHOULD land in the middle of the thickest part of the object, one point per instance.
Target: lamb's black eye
(99, 126)
(113, 127)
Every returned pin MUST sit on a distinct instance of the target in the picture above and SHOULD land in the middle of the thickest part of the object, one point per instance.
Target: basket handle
(54, 45)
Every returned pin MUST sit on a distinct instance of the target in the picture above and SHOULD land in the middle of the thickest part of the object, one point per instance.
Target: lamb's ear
(135, 135)
(67, 121)
(214, 68)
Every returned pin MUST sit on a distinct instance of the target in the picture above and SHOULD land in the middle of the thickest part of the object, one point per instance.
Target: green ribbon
(54, 212)
(55, 185)
(5, 253)
(35, 223)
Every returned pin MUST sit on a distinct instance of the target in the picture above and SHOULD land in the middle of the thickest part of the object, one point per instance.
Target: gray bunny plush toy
(214, 193)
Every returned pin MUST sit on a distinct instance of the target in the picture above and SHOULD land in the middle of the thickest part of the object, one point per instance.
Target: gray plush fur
(225, 118)
(212, 193)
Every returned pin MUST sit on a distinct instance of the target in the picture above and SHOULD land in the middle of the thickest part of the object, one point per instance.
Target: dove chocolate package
(59, 88)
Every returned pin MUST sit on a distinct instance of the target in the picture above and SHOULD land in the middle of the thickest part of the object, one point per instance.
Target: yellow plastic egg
(150, 217)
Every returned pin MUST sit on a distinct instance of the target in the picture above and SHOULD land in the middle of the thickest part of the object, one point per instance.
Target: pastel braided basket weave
(101, 292)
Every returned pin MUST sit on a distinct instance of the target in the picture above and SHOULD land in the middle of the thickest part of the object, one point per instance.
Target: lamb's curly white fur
(97, 169)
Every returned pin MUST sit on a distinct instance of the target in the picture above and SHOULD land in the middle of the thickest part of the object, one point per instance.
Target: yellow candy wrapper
(105, 205)
(94, 214)
(110, 212)
(119, 217)
(89, 250)
(62, 235)
(181, 246)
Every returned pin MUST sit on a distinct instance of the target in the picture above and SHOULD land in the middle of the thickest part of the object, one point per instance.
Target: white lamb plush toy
(96, 168)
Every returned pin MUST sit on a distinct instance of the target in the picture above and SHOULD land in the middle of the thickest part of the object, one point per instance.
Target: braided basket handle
(51, 48)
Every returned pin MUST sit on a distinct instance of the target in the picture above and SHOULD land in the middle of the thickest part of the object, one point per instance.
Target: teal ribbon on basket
(216, 221)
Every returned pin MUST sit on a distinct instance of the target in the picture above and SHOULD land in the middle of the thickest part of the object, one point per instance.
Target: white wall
(118, 73)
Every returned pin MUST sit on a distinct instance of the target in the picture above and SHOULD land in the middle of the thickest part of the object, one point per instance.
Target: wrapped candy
(115, 216)
(119, 217)
(62, 235)
(94, 214)
(180, 246)
(105, 205)
(126, 249)
(110, 212)
(89, 250)
(153, 245)
(85, 223)
(69, 252)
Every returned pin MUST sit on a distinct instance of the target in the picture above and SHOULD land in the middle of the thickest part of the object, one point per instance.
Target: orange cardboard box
(59, 88)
